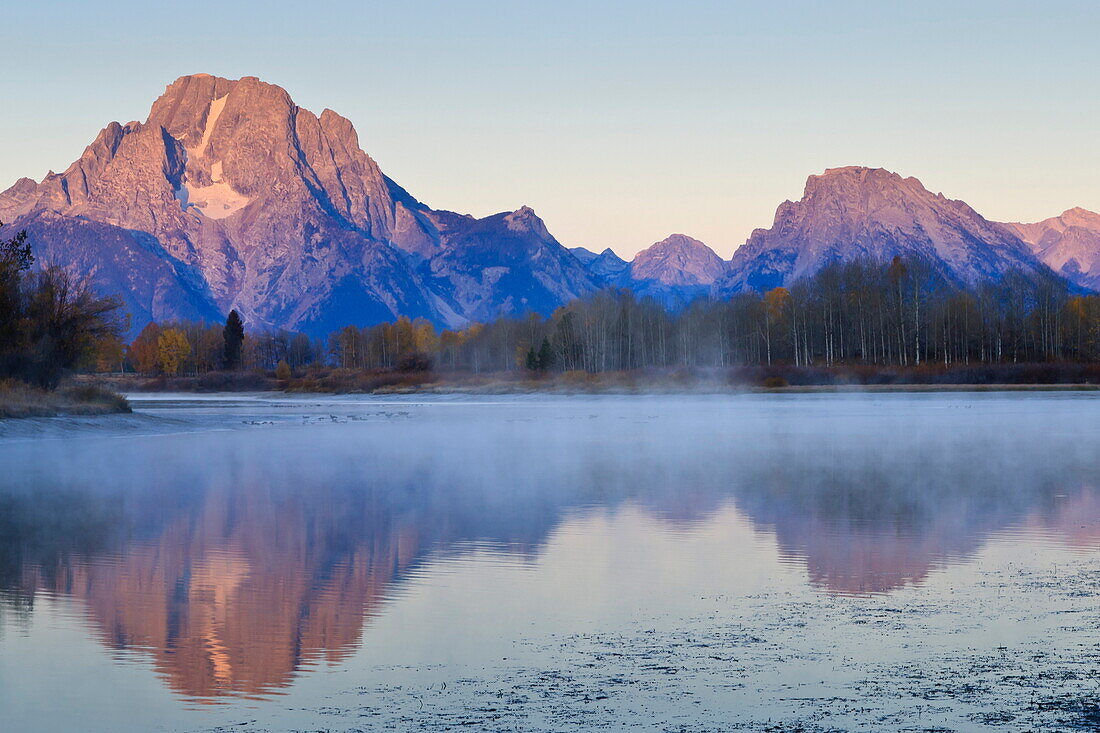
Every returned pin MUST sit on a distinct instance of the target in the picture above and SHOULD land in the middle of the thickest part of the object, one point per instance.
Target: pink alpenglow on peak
(247, 201)
(674, 271)
(1069, 244)
(678, 260)
(230, 196)
(870, 213)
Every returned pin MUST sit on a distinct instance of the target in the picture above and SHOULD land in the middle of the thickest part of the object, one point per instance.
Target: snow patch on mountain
(218, 200)
(212, 116)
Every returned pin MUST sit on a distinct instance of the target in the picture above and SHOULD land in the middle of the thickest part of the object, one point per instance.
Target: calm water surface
(759, 562)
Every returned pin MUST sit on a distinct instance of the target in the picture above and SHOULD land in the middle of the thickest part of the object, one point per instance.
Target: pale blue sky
(619, 122)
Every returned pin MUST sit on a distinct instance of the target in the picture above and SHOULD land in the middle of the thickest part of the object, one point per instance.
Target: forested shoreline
(860, 322)
(861, 318)
(50, 322)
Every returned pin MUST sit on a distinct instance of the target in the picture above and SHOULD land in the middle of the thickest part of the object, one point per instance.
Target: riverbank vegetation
(860, 323)
(49, 322)
(19, 399)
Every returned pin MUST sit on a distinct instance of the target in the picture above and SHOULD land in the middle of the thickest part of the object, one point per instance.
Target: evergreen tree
(234, 340)
(17, 251)
(15, 259)
(546, 356)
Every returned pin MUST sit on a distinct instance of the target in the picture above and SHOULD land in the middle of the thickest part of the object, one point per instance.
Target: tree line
(49, 320)
(188, 347)
(901, 313)
(183, 348)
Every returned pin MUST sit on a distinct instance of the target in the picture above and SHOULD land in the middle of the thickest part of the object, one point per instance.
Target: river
(688, 563)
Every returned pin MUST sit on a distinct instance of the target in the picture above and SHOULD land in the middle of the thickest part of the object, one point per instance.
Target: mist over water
(551, 562)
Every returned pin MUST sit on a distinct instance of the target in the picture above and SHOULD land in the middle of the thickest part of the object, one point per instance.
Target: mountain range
(231, 196)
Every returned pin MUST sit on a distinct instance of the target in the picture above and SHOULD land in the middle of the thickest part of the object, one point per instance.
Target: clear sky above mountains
(620, 122)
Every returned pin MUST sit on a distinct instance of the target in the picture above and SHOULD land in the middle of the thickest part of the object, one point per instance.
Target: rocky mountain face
(131, 265)
(505, 264)
(678, 261)
(231, 196)
(1068, 244)
(856, 212)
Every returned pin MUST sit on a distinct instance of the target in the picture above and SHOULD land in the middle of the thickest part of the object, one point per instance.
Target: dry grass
(21, 400)
(356, 380)
(763, 379)
(777, 378)
(211, 382)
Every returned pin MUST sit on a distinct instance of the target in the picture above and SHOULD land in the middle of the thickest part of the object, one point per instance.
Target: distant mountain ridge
(678, 261)
(606, 265)
(231, 196)
(856, 212)
(674, 271)
(1069, 244)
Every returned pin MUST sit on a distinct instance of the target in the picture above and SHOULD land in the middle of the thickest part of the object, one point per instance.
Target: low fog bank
(915, 477)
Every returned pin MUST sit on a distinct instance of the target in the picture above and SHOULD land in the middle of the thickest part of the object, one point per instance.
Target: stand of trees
(49, 320)
(858, 313)
(192, 348)
(869, 313)
(900, 314)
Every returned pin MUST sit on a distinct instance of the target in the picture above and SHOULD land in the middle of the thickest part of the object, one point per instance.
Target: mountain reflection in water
(235, 559)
